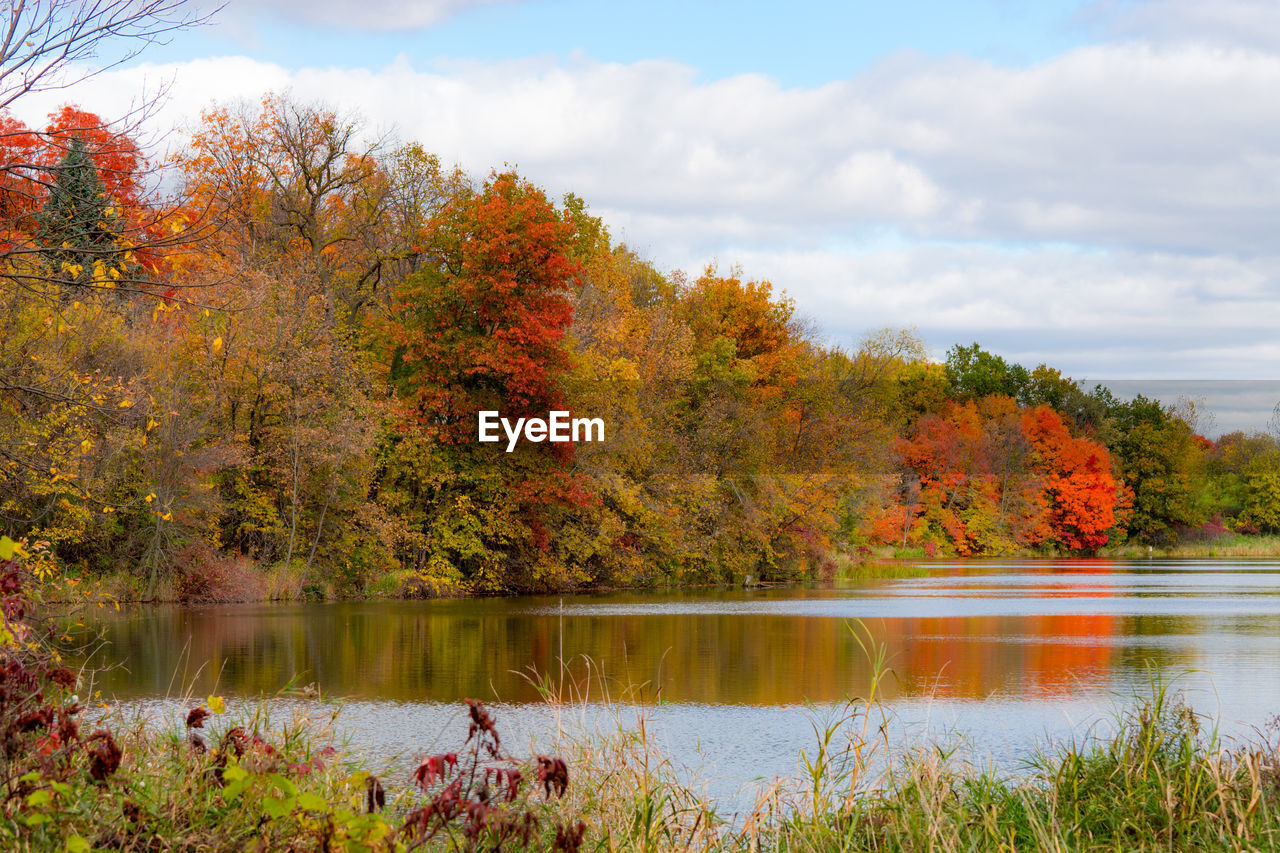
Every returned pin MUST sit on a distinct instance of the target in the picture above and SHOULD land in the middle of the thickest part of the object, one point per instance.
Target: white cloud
(1112, 314)
(1116, 205)
(1251, 24)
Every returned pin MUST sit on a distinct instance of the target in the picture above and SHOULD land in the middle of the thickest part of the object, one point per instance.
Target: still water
(997, 657)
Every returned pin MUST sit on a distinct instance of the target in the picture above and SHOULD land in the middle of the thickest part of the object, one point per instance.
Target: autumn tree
(72, 390)
(482, 328)
(991, 477)
(1078, 483)
(298, 185)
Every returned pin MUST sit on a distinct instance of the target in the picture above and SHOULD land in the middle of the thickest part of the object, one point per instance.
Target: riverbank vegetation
(72, 779)
(265, 384)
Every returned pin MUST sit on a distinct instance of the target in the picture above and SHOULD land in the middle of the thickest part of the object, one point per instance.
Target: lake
(998, 657)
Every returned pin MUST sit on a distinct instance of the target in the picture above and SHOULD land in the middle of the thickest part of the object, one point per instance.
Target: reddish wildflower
(196, 718)
(63, 677)
(104, 755)
(482, 724)
(477, 817)
(68, 728)
(433, 767)
(512, 779)
(569, 838)
(553, 773)
(235, 741)
(41, 718)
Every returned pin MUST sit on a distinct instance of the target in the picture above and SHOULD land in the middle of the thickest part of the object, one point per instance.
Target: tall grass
(1160, 783)
(1235, 545)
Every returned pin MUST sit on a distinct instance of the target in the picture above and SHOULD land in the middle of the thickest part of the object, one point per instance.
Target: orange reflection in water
(444, 651)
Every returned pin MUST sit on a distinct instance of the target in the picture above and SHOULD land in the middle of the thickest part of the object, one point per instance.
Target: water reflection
(1020, 630)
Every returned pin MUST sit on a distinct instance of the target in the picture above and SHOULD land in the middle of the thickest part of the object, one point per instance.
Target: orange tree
(481, 327)
(1077, 475)
(994, 477)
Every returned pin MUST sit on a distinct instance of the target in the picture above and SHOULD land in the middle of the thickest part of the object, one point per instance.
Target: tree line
(280, 365)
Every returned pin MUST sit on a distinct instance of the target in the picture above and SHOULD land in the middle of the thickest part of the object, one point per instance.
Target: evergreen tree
(79, 223)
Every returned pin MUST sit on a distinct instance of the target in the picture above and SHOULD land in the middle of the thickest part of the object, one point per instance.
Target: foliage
(1158, 455)
(1262, 492)
(989, 477)
(308, 424)
(481, 328)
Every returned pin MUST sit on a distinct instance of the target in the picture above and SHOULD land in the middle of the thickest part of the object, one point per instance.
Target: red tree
(482, 329)
(1077, 480)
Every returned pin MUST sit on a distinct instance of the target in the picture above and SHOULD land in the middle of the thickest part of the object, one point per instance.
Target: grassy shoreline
(254, 584)
(1226, 547)
(248, 583)
(1163, 781)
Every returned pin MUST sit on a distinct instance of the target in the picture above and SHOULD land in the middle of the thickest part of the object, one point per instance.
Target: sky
(1093, 185)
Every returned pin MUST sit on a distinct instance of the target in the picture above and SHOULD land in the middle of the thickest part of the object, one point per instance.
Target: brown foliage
(104, 755)
(203, 576)
(196, 718)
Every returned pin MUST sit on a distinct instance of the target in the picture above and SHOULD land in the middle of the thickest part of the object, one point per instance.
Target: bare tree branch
(45, 42)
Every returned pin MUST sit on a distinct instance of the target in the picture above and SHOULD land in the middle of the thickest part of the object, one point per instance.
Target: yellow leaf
(86, 446)
(216, 704)
(152, 424)
(9, 549)
(217, 343)
(168, 516)
(124, 404)
(149, 498)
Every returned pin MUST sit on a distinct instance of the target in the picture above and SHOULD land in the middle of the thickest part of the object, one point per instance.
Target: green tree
(1158, 457)
(1262, 491)
(975, 373)
(79, 223)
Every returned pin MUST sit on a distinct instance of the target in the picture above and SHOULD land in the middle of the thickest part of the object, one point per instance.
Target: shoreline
(885, 562)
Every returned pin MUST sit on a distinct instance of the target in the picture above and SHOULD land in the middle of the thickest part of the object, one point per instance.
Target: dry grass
(1257, 547)
(1161, 783)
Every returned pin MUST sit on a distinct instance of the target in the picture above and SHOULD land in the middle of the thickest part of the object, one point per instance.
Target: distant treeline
(271, 382)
